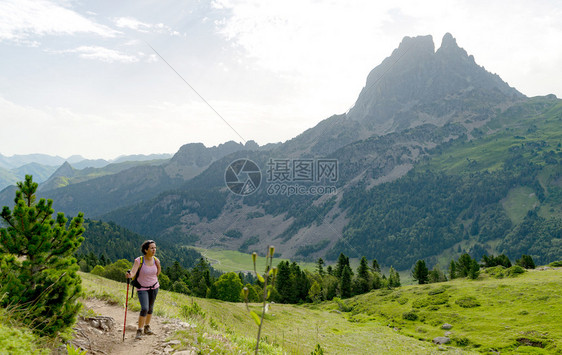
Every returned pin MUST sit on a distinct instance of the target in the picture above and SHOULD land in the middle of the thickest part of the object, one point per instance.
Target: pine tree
(345, 282)
(452, 270)
(315, 292)
(39, 272)
(363, 282)
(526, 261)
(420, 272)
(436, 275)
(464, 265)
(363, 269)
(320, 266)
(376, 266)
(200, 278)
(340, 264)
(474, 270)
(393, 278)
(283, 282)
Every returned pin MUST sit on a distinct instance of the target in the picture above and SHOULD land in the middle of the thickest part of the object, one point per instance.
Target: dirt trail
(103, 334)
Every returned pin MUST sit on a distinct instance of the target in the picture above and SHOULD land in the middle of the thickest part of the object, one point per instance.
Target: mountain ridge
(416, 105)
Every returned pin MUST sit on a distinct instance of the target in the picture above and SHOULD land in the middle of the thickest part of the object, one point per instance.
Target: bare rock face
(417, 85)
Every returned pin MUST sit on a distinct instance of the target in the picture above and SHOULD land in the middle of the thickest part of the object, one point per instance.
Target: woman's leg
(143, 299)
(151, 298)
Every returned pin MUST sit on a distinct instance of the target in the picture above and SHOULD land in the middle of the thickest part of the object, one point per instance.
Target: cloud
(102, 54)
(143, 27)
(326, 42)
(24, 19)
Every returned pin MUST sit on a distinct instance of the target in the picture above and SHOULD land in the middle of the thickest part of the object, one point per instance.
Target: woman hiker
(149, 267)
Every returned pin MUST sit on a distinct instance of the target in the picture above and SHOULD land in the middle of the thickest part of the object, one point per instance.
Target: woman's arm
(157, 262)
(134, 269)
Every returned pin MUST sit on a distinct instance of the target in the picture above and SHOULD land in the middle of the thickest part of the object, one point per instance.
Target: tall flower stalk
(269, 275)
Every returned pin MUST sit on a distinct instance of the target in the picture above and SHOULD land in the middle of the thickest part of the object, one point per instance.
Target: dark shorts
(146, 299)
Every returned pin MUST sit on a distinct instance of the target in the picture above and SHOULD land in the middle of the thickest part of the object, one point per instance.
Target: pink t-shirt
(148, 275)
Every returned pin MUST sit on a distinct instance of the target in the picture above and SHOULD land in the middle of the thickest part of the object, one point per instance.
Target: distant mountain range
(42, 166)
(436, 157)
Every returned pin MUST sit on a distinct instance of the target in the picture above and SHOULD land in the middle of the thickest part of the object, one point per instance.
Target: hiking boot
(147, 330)
(139, 334)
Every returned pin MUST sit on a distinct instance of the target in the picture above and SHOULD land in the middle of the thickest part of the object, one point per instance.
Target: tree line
(292, 284)
(465, 267)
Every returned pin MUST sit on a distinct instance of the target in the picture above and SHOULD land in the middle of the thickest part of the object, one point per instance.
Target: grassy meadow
(235, 261)
(511, 315)
(288, 329)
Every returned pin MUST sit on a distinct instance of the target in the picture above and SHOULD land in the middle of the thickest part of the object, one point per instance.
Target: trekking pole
(126, 306)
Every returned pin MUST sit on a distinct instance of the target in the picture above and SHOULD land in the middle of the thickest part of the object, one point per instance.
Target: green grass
(16, 339)
(518, 202)
(527, 126)
(288, 329)
(511, 315)
(487, 314)
(235, 261)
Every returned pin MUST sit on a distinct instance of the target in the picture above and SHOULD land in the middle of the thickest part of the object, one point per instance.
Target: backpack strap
(137, 275)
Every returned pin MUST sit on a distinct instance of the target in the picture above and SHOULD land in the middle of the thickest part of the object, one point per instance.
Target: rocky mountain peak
(418, 85)
(65, 170)
(448, 41)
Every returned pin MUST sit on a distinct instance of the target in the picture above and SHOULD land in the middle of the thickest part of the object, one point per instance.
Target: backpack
(135, 282)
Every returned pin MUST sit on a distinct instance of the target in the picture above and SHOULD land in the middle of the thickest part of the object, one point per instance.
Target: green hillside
(235, 261)
(114, 242)
(532, 129)
(472, 186)
(288, 329)
(470, 195)
(511, 315)
(502, 315)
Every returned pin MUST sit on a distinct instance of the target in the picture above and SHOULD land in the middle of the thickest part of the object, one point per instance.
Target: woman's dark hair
(145, 245)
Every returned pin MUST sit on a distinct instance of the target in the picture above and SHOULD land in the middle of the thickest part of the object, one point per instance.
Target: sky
(107, 78)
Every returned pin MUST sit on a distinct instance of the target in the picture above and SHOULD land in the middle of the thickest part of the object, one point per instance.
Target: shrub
(499, 272)
(438, 290)
(317, 351)
(556, 263)
(192, 310)
(526, 261)
(180, 287)
(421, 302)
(229, 287)
(233, 233)
(116, 271)
(411, 315)
(467, 302)
(439, 299)
(98, 270)
(496, 271)
(460, 341)
(342, 305)
(514, 271)
(164, 281)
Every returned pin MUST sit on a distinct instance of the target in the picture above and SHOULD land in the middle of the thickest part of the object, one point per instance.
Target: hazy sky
(79, 77)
